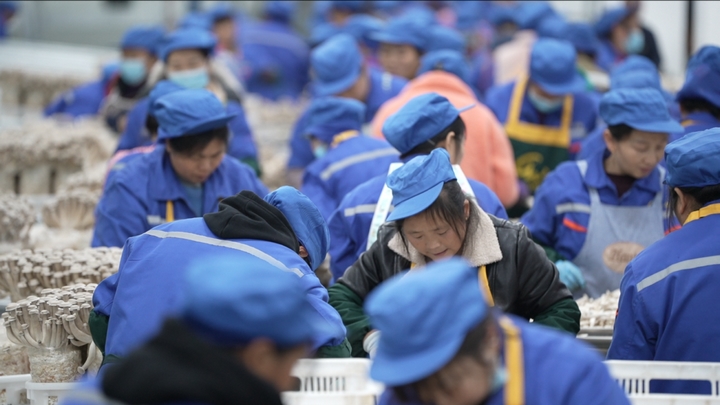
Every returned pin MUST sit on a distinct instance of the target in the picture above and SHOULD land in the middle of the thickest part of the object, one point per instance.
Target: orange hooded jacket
(489, 156)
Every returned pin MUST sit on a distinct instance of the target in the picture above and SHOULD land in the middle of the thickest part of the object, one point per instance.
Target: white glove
(370, 342)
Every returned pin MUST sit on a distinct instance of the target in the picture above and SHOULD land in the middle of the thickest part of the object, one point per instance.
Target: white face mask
(543, 104)
(191, 79)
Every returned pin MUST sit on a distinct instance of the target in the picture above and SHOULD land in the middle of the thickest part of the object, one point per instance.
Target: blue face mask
(542, 104)
(132, 71)
(499, 379)
(635, 42)
(191, 79)
(320, 151)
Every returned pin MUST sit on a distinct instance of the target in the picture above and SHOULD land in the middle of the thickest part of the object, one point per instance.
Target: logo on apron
(617, 255)
(531, 170)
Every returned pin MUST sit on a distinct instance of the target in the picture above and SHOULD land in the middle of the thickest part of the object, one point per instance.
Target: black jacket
(523, 283)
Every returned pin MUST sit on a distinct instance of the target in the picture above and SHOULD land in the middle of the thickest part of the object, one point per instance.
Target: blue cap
(189, 112)
(446, 60)
(469, 13)
(634, 63)
(420, 13)
(418, 121)
(336, 64)
(280, 10)
(552, 67)
(220, 11)
(305, 219)
(531, 13)
(694, 160)
(161, 88)
(147, 38)
(611, 18)
(234, 300)
(350, 5)
(362, 27)
(418, 183)
(403, 31)
(642, 109)
(583, 38)
(423, 317)
(196, 20)
(702, 79)
(553, 26)
(329, 116)
(501, 14)
(441, 38)
(188, 38)
(323, 32)
(636, 79)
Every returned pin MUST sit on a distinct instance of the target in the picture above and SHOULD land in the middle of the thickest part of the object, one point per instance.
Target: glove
(370, 342)
(570, 275)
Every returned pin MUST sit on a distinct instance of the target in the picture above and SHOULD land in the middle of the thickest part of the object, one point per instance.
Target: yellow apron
(169, 211)
(484, 284)
(713, 209)
(514, 363)
(538, 148)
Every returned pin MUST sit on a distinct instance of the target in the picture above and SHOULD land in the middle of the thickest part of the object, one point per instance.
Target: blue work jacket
(668, 303)
(350, 223)
(328, 179)
(698, 121)
(557, 369)
(383, 86)
(147, 287)
(83, 100)
(275, 60)
(607, 57)
(137, 197)
(565, 187)
(241, 145)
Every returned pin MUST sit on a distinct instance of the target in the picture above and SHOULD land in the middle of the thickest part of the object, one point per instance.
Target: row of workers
(427, 226)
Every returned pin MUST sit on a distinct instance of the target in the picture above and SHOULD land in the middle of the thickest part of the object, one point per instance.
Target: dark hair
(471, 347)
(457, 126)
(151, 124)
(698, 104)
(222, 19)
(449, 207)
(620, 132)
(701, 195)
(188, 145)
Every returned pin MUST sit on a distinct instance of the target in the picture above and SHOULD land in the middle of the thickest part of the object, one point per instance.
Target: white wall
(706, 30)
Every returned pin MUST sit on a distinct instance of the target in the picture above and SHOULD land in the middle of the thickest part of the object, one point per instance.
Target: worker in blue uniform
(275, 57)
(185, 177)
(241, 326)
(669, 291)
(444, 38)
(284, 230)
(699, 97)
(545, 112)
(340, 71)
(478, 355)
(425, 123)
(362, 27)
(140, 47)
(592, 216)
(620, 35)
(403, 41)
(346, 158)
(83, 100)
(187, 54)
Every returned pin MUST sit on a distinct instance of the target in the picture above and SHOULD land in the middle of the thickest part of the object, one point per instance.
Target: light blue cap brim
(576, 85)
(669, 126)
(212, 123)
(416, 204)
(389, 38)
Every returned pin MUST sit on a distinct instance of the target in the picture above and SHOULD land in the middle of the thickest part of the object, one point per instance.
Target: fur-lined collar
(482, 249)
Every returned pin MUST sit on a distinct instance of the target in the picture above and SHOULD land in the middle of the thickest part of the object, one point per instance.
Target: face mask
(635, 42)
(191, 79)
(320, 151)
(499, 379)
(132, 71)
(543, 104)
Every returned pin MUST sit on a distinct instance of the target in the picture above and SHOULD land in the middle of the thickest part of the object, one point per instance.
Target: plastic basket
(48, 393)
(333, 382)
(12, 389)
(635, 376)
(674, 400)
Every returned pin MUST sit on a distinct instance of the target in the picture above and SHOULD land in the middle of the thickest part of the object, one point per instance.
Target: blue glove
(570, 275)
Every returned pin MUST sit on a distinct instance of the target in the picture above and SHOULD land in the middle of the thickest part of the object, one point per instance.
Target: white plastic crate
(48, 393)
(674, 400)
(12, 389)
(635, 376)
(334, 382)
